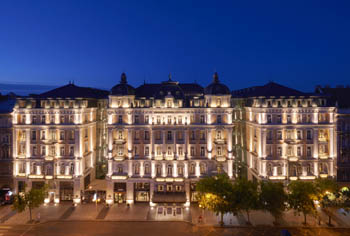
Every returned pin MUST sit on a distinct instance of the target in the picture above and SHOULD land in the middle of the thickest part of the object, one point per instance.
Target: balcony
(119, 141)
(219, 141)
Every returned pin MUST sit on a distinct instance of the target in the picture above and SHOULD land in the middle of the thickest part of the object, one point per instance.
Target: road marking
(26, 231)
(5, 227)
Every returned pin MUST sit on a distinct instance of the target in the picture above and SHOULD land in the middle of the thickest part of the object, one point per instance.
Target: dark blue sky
(296, 43)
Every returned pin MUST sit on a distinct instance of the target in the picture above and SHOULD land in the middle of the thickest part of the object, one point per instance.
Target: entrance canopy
(175, 197)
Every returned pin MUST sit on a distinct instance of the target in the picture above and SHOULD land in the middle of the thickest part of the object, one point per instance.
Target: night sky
(295, 43)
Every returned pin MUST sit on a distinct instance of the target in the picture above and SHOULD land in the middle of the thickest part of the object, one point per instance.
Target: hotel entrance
(66, 191)
(119, 192)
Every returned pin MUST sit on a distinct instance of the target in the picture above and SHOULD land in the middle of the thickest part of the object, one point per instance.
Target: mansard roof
(270, 89)
(339, 95)
(123, 88)
(216, 88)
(7, 104)
(72, 91)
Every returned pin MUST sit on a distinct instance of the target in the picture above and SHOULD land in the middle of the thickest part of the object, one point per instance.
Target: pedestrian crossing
(4, 229)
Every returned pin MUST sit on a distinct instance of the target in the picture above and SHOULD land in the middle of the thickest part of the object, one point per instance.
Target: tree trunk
(221, 219)
(304, 218)
(248, 217)
(30, 214)
(329, 220)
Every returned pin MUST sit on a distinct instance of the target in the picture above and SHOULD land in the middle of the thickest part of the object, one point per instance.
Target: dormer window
(218, 102)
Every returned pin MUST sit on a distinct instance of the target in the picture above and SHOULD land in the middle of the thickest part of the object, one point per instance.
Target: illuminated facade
(54, 141)
(289, 134)
(154, 142)
(162, 138)
(6, 107)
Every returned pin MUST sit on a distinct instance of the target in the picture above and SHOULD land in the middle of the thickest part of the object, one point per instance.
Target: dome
(216, 88)
(123, 88)
(170, 88)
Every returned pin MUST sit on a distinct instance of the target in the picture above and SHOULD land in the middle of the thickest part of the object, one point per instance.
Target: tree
(31, 199)
(273, 198)
(328, 195)
(245, 197)
(301, 197)
(214, 194)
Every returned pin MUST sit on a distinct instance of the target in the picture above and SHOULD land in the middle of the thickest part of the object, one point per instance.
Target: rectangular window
(269, 119)
(146, 119)
(192, 151)
(202, 152)
(43, 150)
(120, 119)
(308, 135)
(308, 151)
(34, 151)
(219, 151)
(218, 119)
(146, 151)
(279, 119)
(62, 135)
(146, 135)
(279, 151)
(137, 120)
(279, 135)
(62, 151)
(33, 135)
(202, 119)
(180, 151)
(170, 136)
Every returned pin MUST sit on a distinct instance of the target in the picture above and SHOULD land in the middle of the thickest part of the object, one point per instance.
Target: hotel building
(54, 141)
(289, 135)
(162, 138)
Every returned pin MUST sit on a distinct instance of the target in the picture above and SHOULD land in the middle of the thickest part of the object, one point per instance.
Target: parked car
(6, 196)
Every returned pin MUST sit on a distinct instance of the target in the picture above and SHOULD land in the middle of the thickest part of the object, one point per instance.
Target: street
(104, 228)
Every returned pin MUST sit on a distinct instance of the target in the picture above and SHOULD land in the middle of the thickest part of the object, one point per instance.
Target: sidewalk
(135, 212)
(47, 212)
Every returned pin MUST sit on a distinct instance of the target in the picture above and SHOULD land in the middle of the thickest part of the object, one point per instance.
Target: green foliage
(273, 198)
(31, 199)
(301, 197)
(245, 197)
(214, 194)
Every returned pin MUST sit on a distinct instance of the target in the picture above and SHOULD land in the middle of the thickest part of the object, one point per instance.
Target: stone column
(331, 142)
(130, 192)
(198, 171)
(110, 167)
(230, 168)
(152, 151)
(110, 142)
(164, 169)
(315, 168)
(263, 142)
(142, 170)
(153, 169)
(315, 139)
(130, 143)
(186, 169)
(209, 143)
(130, 168)
(14, 143)
(175, 169)
(28, 154)
(229, 142)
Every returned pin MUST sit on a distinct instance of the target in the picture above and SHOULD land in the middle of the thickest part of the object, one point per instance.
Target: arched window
(159, 169)
(169, 151)
(147, 169)
(137, 169)
(192, 168)
(203, 168)
(180, 170)
(170, 170)
(71, 168)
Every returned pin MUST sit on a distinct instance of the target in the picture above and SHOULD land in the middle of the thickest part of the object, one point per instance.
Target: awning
(98, 185)
(175, 197)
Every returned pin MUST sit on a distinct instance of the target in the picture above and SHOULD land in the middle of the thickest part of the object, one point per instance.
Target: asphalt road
(69, 228)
